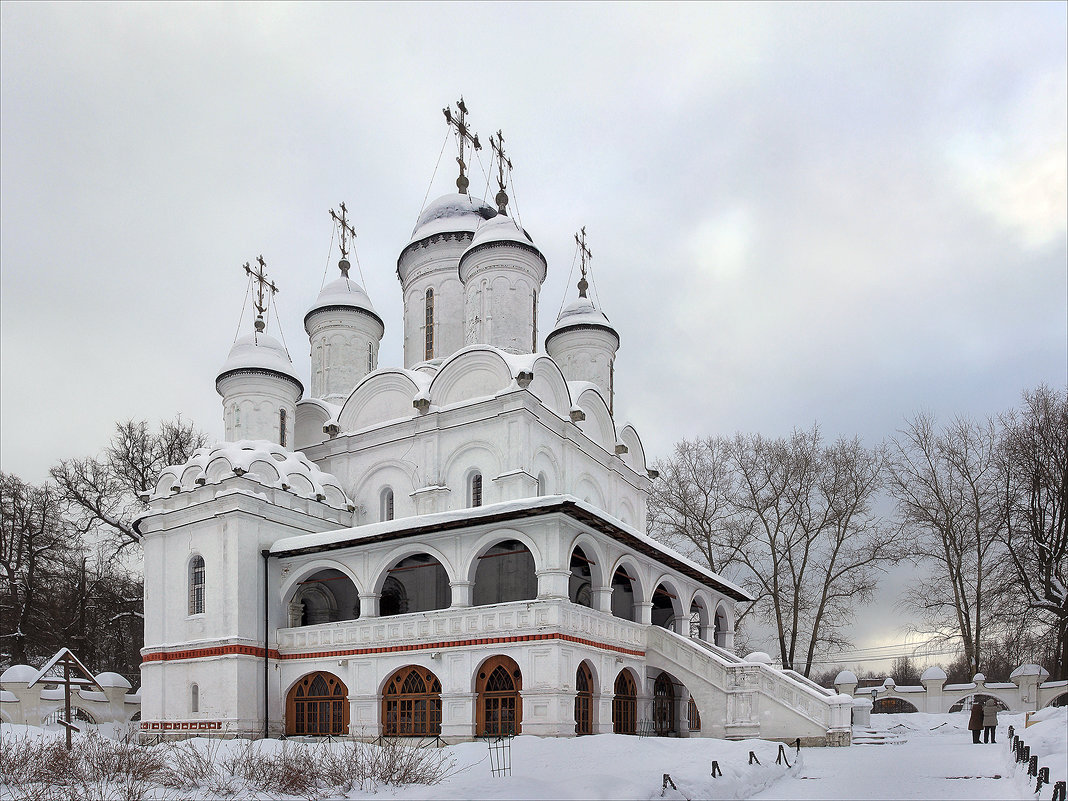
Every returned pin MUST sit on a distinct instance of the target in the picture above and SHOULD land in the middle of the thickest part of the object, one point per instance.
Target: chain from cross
(463, 136)
(260, 277)
(345, 229)
(586, 255)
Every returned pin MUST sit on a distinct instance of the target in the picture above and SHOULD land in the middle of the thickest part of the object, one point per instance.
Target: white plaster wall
(500, 286)
(251, 403)
(586, 355)
(340, 339)
(433, 266)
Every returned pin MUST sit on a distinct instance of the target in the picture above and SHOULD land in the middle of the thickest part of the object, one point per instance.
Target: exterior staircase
(863, 735)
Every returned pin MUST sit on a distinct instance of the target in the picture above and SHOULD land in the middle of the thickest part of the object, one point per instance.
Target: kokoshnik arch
(450, 548)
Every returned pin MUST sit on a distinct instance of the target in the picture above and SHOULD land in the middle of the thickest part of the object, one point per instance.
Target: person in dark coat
(975, 722)
(990, 720)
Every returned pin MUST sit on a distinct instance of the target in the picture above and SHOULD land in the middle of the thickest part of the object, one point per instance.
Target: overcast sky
(798, 213)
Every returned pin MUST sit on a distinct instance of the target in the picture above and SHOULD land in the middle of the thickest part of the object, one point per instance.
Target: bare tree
(791, 519)
(101, 495)
(1035, 454)
(947, 487)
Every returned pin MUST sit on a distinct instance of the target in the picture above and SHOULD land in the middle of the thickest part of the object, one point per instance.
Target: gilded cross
(586, 255)
(502, 162)
(260, 277)
(345, 231)
(458, 121)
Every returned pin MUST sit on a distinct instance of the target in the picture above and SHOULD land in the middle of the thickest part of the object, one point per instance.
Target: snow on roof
(978, 677)
(1029, 670)
(258, 351)
(933, 673)
(452, 213)
(343, 291)
(109, 679)
(18, 674)
(500, 229)
(846, 677)
(582, 312)
(409, 526)
(258, 460)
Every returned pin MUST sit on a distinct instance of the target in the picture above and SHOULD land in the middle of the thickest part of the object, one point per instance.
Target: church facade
(453, 548)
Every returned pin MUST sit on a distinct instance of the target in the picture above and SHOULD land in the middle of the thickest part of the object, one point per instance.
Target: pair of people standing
(984, 718)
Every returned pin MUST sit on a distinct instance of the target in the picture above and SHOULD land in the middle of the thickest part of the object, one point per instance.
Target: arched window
(500, 708)
(196, 585)
(541, 484)
(583, 700)
(317, 706)
(474, 490)
(663, 705)
(282, 427)
(194, 698)
(411, 704)
(429, 324)
(625, 704)
(386, 504)
(693, 716)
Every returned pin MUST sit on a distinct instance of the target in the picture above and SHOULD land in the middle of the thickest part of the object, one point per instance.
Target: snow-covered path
(941, 763)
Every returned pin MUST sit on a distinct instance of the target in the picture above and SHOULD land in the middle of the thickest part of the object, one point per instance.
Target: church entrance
(625, 704)
(411, 704)
(317, 706)
(499, 708)
(583, 700)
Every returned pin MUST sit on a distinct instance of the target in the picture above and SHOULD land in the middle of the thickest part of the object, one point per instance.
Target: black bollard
(1059, 791)
(1011, 730)
(715, 769)
(797, 745)
(1025, 753)
(753, 758)
(781, 756)
(1043, 778)
(1032, 766)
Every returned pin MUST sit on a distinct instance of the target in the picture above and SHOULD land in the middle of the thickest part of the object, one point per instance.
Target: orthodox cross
(345, 230)
(584, 252)
(502, 161)
(260, 277)
(74, 674)
(463, 136)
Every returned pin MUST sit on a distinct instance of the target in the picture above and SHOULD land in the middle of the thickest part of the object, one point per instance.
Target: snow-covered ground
(937, 760)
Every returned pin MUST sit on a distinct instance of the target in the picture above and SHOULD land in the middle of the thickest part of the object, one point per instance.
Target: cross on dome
(463, 137)
(260, 277)
(345, 230)
(502, 161)
(586, 255)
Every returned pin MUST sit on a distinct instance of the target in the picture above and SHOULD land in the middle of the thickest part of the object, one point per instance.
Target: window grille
(282, 427)
(370, 357)
(412, 704)
(317, 706)
(196, 585)
(476, 489)
(534, 317)
(663, 705)
(429, 324)
(500, 709)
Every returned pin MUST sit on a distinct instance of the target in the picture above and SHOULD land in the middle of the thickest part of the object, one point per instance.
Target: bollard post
(1043, 778)
(667, 781)
(753, 758)
(1059, 791)
(1011, 730)
(715, 769)
(1032, 766)
(797, 745)
(1025, 753)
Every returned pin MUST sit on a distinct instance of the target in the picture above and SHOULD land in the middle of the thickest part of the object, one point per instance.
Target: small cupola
(257, 382)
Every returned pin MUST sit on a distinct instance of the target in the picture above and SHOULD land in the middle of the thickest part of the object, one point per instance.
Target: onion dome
(343, 293)
(582, 314)
(502, 231)
(453, 213)
(258, 353)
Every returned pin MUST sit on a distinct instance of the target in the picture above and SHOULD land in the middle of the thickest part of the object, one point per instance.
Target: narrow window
(196, 585)
(534, 317)
(194, 698)
(282, 427)
(386, 505)
(612, 387)
(429, 324)
(370, 357)
(476, 490)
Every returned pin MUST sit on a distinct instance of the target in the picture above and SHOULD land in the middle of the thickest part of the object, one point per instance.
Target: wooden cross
(586, 255)
(74, 674)
(463, 136)
(260, 277)
(502, 160)
(346, 230)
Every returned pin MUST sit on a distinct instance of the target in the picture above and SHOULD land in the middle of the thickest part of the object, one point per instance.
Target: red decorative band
(181, 725)
(199, 653)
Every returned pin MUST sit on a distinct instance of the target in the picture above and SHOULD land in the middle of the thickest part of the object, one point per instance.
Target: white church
(454, 548)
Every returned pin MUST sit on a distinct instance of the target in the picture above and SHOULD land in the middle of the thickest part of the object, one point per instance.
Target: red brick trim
(181, 725)
(200, 653)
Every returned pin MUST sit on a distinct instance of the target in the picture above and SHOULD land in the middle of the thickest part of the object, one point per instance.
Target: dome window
(429, 324)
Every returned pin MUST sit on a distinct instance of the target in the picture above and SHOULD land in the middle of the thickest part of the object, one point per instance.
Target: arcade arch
(411, 703)
(499, 705)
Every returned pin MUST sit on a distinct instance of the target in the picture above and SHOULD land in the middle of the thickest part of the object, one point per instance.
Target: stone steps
(865, 736)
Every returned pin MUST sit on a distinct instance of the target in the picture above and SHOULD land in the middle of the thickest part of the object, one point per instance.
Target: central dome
(450, 214)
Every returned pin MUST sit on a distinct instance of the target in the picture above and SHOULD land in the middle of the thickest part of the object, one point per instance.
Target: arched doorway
(625, 704)
(411, 704)
(663, 705)
(317, 706)
(505, 573)
(583, 700)
(499, 709)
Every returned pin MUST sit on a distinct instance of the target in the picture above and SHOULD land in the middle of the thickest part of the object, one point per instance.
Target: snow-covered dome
(343, 292)
(450, 214)
(501, 229)
(1029, 670)
(18, 674)
(845, 677)
(933, 673)
(258, 460)
(109, 679)
(582, 313)
(260, 352)
(759, 658)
